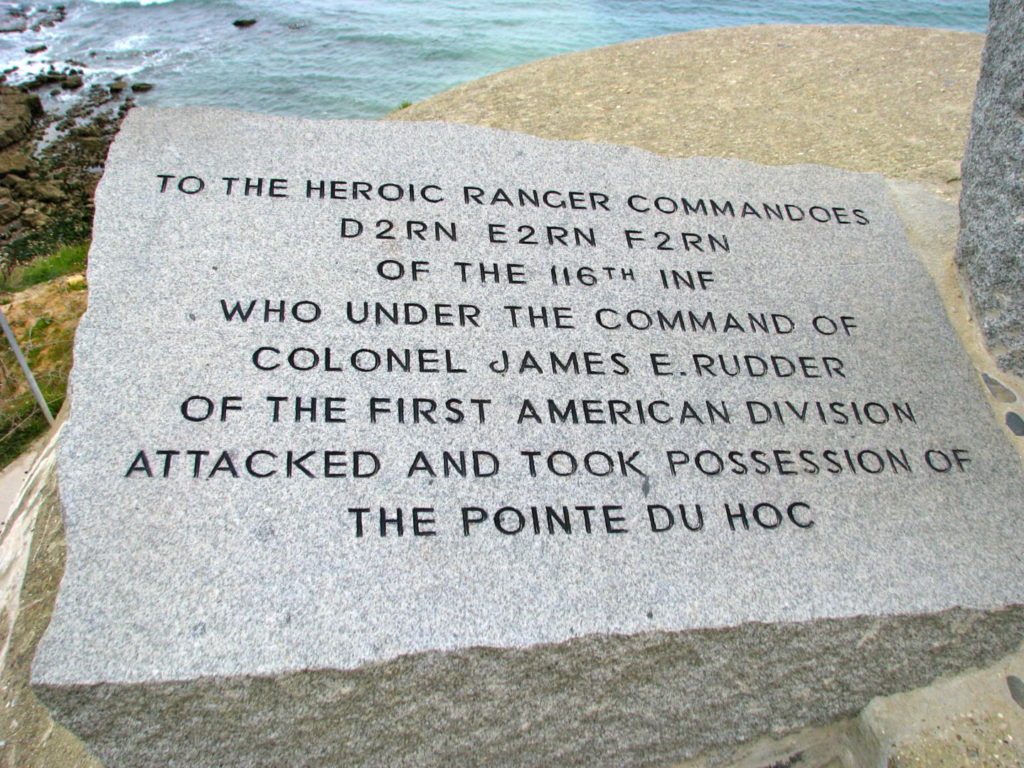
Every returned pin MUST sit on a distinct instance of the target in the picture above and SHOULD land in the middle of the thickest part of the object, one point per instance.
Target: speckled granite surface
(991, 247)
(932, 71)
(796, 448)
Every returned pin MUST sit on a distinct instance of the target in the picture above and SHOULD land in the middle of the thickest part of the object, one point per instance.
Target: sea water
(365, 58)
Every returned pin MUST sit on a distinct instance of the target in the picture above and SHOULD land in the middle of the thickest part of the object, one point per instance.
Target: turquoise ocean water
(361, 58)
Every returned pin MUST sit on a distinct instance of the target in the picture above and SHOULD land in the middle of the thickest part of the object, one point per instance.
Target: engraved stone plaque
(425, 444)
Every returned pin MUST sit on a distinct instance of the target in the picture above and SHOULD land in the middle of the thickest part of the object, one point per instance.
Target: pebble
(999, 391)
(1015, 423)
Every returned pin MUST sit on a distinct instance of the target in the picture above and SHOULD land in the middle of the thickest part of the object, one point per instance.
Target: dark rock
(22, 17)
(999, 391)
(17, 111)
(14, 161)
(48, 192)
(34, 218)
(35, 49)
(13, 20)
(240, 23)
(48, 18)
(20, 188)
(1015, 423)
(71, 83)
(991, 247)
(44, 78)
(141, 87)
(117, 86)
(9, 209)
(97, 96)
(35, 106)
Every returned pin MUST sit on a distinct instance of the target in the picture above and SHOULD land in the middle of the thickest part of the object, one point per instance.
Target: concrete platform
(895, 100)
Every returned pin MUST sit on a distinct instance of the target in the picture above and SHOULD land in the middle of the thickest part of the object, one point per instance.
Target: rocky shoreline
(46, 189)
(22, 19)
(52, 148)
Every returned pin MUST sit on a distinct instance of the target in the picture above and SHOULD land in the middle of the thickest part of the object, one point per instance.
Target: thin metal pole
(24, 366)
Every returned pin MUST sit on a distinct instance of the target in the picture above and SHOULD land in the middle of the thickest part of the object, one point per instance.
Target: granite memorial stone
(424, 444)
(991, 247)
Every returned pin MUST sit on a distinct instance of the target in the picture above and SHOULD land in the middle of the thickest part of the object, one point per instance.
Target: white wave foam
(131, 2)
(26, 68)
(130, 43)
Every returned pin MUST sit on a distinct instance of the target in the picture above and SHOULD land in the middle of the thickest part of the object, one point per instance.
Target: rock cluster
(18, 114)
(68, 79)
(52, 149)
(20, 18)
(50, 165)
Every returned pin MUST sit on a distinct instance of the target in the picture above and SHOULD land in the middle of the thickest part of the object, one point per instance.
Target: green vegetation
(405, 104)
(45, 325)
(23, 422)
(66, 261)
(71, 229)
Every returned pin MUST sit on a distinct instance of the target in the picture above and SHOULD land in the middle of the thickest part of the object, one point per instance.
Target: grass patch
(66, 261)
(23, 423)
(21, 419)
(44, 321)
(59, 233)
